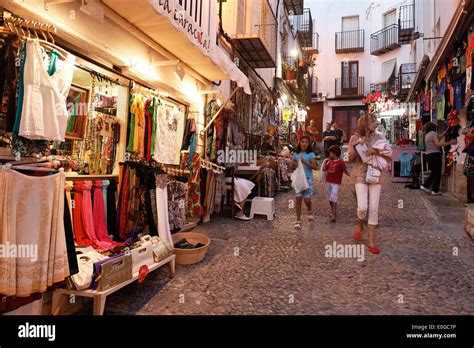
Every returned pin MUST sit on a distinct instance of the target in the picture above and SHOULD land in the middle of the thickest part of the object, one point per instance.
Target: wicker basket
(191, 256)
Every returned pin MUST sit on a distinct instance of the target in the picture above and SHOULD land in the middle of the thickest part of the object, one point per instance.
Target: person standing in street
(434, 157)
(312, 132)
(329, 139)
(340, 135)
(368, 195)
(304, 154)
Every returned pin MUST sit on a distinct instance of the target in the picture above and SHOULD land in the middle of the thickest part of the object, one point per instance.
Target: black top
(339, 134)
(329, 143)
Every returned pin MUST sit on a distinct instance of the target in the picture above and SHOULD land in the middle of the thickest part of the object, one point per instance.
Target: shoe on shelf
(424, 189)
(436, 193)
(374, 250)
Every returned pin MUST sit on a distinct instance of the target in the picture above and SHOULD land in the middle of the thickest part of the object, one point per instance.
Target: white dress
(44, 115)
(242, 189)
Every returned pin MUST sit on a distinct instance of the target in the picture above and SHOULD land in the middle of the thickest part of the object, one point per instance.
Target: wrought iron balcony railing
(350, 41)
(350, 87)
(384, 40)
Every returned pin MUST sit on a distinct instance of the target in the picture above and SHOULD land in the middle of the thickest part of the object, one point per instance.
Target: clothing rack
(210, 165)
(8, 18)
(91, 177)
(163, 96)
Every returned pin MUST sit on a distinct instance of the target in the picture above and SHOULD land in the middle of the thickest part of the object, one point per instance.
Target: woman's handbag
(142, 255)
(86, 257)
(160, 249)
(373, 175)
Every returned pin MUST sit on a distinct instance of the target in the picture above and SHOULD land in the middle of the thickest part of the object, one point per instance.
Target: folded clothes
(184, 244)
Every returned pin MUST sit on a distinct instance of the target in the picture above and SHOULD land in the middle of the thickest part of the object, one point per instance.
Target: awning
(387, 71)
(162, 21)
(221, 59)
(464, 9)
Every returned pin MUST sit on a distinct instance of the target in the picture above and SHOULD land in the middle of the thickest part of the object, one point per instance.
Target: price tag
(73, 204)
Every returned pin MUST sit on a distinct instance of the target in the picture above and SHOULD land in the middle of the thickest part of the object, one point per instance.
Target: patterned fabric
(177, 204)
(32, 204)
(194, 184)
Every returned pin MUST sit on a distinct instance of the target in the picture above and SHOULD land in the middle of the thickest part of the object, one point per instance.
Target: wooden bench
(62, 296)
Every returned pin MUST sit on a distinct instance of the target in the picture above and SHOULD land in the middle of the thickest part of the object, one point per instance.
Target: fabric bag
(142, 255)
(115, 272)
(373, 175)
(322, 175)
(298, 179)
(86, 257)
(160, 249)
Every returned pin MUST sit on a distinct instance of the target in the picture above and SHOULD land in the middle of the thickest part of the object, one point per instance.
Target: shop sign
(183, 22)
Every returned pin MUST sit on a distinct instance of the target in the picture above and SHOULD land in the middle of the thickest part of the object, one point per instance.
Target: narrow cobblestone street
(282, 271)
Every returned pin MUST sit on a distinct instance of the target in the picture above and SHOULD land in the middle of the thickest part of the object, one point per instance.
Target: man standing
(312, 132)
(329, 139)
(339, 134)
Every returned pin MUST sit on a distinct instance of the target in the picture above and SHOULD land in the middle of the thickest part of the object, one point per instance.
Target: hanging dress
(44, 114)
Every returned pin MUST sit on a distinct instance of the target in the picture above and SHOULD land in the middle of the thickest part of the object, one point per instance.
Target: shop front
(444, 96)
(101, 125)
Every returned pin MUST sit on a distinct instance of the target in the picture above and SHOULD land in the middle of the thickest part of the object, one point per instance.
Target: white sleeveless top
(44, 115)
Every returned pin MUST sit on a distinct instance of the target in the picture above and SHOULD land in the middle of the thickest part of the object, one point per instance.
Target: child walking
(305, 154)
(335, 168)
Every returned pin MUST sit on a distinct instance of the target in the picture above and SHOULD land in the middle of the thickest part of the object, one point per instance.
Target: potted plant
(289, 71)
(306, 63)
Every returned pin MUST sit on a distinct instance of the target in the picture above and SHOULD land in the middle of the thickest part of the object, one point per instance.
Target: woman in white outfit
(368, 195)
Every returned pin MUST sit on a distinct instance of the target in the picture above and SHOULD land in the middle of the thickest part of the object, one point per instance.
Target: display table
(62, 295)
(397, 151)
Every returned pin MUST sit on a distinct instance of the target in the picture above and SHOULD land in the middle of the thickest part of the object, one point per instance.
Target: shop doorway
(346, 117)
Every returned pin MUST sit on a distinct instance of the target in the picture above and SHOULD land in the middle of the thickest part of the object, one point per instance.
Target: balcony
(304, 28)
(350, 87)
(406, 24)
(313, 86)
(406, 77)
(256, 41)
(384, 40)
(350, 41)
(296, 6)
(314, 49)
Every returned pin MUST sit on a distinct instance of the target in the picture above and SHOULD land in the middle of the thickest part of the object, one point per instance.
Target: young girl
(335, 168)
(305, 154)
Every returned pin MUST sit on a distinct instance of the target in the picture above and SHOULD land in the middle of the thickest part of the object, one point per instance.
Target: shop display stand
(62, 296)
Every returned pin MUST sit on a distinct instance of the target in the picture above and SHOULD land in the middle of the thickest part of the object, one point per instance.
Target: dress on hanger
(44, 114)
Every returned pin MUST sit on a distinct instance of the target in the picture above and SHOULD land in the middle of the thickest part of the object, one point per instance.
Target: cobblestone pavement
(282, 271)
